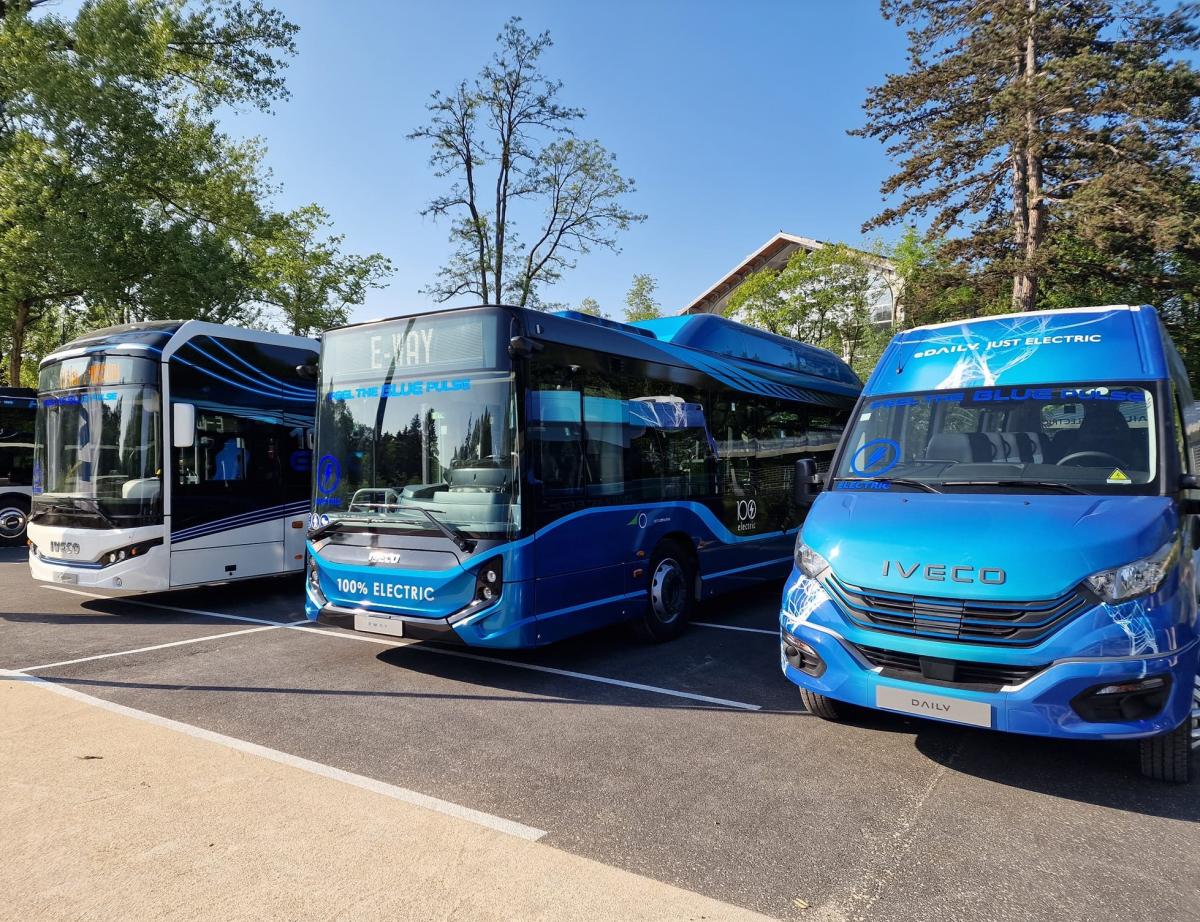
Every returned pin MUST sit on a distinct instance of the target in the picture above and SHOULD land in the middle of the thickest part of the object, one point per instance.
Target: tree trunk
(20, 323)
(1028, 207)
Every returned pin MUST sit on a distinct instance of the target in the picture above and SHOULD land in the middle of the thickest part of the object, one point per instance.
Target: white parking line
(160, 646)
(532, 667)
(186, 611)
(734, 627)
(478, 817)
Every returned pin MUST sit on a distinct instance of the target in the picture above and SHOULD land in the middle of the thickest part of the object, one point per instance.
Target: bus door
(227, 499)
(582, 550)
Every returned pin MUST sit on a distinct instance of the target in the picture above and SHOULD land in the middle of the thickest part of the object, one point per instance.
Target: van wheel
(821, 706)
(1171, 756)
(14, 516)
(670, 596)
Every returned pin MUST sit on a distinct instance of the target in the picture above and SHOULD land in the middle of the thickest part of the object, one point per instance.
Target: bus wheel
(14, 515)
(1170, 756)
(670, 596)
(820, 705)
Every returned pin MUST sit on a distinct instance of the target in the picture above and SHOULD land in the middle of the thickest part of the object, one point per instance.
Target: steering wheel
(1104, 457)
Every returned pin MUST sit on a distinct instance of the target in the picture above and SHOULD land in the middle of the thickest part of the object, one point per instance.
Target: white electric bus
(172, 454)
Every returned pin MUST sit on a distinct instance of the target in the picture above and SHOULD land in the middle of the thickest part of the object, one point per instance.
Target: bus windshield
(415, 427)
(98, 452)
(1077, 438)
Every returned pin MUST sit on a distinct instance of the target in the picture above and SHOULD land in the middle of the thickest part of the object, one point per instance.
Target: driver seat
(1104, 429)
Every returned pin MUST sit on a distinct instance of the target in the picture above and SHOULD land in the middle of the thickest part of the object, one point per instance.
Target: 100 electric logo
(747, 511)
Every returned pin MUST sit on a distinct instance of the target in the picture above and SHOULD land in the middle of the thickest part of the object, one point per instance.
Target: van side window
(1185, 457)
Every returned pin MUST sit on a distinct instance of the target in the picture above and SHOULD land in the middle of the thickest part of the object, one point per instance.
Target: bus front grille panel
(953, 673)
(965, 620)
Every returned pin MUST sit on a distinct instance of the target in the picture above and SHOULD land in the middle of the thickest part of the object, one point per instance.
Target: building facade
(774, 254)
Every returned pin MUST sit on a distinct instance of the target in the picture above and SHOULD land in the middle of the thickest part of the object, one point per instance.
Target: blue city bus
(506, 478)
(1007, 537)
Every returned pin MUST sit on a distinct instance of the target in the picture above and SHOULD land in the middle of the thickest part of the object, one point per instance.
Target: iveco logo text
(383, 557)
(940, 572)
(64, 548)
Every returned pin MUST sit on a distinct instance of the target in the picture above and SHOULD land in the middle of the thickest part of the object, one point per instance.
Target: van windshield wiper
(902, 481)
(1017, 482)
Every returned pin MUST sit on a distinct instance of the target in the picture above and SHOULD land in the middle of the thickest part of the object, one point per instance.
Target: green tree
(1018, 121)
(590, 306)
(120, 197)
(504, 141)
(640, 303)
(302, 276)
(823, 297)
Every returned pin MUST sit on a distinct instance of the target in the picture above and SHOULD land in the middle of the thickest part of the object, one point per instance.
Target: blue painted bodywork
(1047, 544)
(586, 569)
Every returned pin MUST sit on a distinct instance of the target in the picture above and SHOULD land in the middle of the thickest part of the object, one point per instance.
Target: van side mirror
(183, 425)
(804, 485)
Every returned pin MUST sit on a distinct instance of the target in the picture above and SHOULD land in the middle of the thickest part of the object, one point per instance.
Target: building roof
(773, 254)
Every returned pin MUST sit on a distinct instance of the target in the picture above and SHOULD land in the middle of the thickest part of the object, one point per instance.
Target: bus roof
(743, 357)
(740, 356)
(1082, 345)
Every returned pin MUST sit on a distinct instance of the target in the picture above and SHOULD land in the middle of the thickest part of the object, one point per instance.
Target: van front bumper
(1039, 706)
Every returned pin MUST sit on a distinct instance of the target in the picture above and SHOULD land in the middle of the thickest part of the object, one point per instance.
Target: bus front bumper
(1047, 704)
(497, 626)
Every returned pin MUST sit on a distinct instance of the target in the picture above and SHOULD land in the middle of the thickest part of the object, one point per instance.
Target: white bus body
(172, 454)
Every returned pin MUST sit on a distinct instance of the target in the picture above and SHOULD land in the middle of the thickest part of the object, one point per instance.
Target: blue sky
(731, 117)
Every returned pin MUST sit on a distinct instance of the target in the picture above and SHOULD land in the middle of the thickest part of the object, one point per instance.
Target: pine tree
(1019, 121)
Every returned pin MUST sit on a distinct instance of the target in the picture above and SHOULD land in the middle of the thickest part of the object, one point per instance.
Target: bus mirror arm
(1189, 505)
(804, 487)
(523, 347)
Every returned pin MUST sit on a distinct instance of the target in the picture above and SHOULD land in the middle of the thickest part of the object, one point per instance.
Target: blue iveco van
(1007, 536)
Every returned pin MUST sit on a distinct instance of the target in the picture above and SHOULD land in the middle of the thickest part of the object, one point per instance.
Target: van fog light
(802, 656)
(1136, 699)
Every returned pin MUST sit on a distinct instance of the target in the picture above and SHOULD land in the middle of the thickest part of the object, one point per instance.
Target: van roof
(1081, 345)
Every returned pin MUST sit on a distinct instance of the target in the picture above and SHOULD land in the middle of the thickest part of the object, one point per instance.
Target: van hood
(1032, 547)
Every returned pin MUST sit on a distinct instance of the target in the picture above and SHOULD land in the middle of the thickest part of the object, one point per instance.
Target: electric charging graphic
(875, 458)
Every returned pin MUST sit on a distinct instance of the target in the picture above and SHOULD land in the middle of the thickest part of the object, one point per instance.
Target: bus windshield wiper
(454, 534)
(1017, 482)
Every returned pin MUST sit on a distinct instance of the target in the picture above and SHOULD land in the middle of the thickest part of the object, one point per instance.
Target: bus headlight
(1141, 577)
(488, 581)
(811, 564)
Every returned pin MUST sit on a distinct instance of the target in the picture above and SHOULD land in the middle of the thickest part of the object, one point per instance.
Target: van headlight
(811, 564)
(1141, 577)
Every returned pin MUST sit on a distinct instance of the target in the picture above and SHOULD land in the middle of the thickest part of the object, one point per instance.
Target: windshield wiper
(1017, 482)
(461, 541)
(903, 481)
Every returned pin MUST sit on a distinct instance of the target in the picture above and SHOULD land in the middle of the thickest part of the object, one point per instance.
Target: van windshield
(1068, 438)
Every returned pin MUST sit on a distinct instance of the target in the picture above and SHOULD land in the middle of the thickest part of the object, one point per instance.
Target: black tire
(1172, 756)
(14, 516)
(670, 595)
(821, 706)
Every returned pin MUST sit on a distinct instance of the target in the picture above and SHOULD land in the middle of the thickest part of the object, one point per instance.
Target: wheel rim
(12, 522)
(1196, 713)
(668, 590)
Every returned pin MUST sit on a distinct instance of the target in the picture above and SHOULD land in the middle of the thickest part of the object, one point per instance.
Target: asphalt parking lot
(692, 763)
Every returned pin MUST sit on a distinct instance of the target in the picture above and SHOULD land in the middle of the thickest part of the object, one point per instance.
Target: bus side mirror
(183, 425)
(804, 489)
(1187, 504)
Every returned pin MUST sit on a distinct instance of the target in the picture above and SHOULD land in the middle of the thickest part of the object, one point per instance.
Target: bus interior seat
(985, 447)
